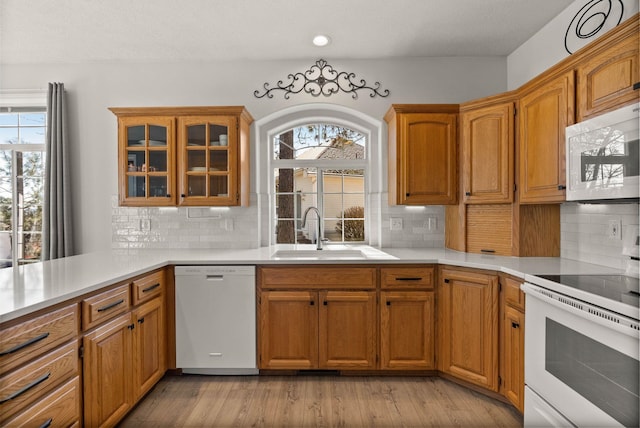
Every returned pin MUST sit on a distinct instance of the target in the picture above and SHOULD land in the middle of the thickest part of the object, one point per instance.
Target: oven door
(584, 365)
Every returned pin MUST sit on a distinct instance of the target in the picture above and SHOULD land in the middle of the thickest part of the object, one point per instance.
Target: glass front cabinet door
(207, 160)
(147, 150)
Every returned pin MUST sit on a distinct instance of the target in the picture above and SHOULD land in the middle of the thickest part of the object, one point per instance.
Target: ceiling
(75, 31)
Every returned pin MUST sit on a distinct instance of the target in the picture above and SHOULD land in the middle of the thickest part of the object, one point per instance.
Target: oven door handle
(584, 310)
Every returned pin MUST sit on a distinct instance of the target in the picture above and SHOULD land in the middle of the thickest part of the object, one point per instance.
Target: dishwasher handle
(215, 277)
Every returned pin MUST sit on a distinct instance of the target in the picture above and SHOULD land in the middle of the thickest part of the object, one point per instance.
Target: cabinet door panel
(146, 161)
(487, 152)
(149, 355)
(605, 80)
(468, 326)
(107, 372)
(208, 160)
(428, 156)
(544, 114)
(407, 333)
(348, 329)
(513, 337)
(288, 330)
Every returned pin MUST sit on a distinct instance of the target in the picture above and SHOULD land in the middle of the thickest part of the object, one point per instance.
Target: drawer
(21, 387)
(148, 287)
(407, 277)
(314, 277)
(61, 409)
(104, 306)
(32, 338)
(512, 294)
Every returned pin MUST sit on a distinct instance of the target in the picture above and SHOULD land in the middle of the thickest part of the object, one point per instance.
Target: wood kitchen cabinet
(146, 165)
(546, 109)
(189, 156)
(468, 325)
(422, 154)
(608, 72)
(407, 318)
(130, 348)
(317, 317)
(39, 369)
(487, 140)
(512, 307)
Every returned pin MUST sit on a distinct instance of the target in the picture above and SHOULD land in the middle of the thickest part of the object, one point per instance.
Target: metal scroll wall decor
(590, 20)
(321, 79)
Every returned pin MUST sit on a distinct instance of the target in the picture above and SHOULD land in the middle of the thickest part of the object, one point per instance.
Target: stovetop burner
(620, 288)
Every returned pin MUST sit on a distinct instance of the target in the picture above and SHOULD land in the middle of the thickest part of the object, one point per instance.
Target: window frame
(17, 235)
(320, 165)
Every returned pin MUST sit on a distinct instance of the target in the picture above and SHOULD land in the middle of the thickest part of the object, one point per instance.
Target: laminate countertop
(29, 288)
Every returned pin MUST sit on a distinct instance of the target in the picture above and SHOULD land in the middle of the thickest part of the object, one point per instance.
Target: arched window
(320, 165)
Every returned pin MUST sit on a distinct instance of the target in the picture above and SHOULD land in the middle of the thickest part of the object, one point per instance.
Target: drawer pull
(409, 279)
(112, 305)
(26, 388)
(151, 287)
(24, 345)
(487, 251)
(47, 423)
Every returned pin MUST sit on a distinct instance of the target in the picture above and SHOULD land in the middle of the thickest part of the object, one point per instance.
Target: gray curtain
(57, 239)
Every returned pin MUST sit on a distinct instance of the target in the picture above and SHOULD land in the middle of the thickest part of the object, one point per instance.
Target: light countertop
(32, 287)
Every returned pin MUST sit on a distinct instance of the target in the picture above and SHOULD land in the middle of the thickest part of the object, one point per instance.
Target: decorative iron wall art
(321, 79)
(590, 20)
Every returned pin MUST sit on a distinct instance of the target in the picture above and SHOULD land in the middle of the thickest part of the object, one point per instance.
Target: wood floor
(317, 401)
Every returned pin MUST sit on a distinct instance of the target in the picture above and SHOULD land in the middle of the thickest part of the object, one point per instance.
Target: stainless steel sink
(319, 255)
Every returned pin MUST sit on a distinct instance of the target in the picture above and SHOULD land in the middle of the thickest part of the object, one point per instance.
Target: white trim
(269, 126)
(23, 98)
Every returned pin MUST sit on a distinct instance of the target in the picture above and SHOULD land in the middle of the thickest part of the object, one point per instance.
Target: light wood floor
(317, 401)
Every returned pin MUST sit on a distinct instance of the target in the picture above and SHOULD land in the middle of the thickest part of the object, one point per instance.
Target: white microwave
(603, 157)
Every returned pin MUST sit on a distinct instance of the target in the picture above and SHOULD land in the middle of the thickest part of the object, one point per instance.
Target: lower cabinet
(407, 333)
(512, 341)
(123, 359)
(468, 326)
(317, 329)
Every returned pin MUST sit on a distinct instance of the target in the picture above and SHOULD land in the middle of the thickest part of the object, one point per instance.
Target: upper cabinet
(546, 109)
(607, 74)
(146, 153)
(422, 154)
(487, 140)
(189, 156)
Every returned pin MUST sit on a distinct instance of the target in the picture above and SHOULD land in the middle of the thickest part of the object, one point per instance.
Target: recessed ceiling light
(321, 40)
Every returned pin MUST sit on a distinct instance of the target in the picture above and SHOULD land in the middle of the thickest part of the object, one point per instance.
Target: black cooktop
(621, 288)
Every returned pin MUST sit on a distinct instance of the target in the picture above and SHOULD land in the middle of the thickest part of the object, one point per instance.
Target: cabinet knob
(141, 320)
(467, 193)
(562, 187)
(388, 303)
(514, 324)
(131, 326)
(311, 303)
(183, 196)
(168, 195)
(636, 86)
(325, 303)
(446, 280)
(408, 194)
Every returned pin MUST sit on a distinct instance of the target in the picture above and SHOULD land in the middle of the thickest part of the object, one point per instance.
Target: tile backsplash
(584, 228)
(584, 233)
(181, 227)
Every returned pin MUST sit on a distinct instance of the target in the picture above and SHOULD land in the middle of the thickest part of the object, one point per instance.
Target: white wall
(547, 46)
(93, 87)
(583, 226)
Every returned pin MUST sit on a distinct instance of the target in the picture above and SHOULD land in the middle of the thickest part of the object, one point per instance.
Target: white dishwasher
(216, 319)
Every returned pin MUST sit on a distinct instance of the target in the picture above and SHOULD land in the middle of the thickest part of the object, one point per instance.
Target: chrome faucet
(319, 238)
